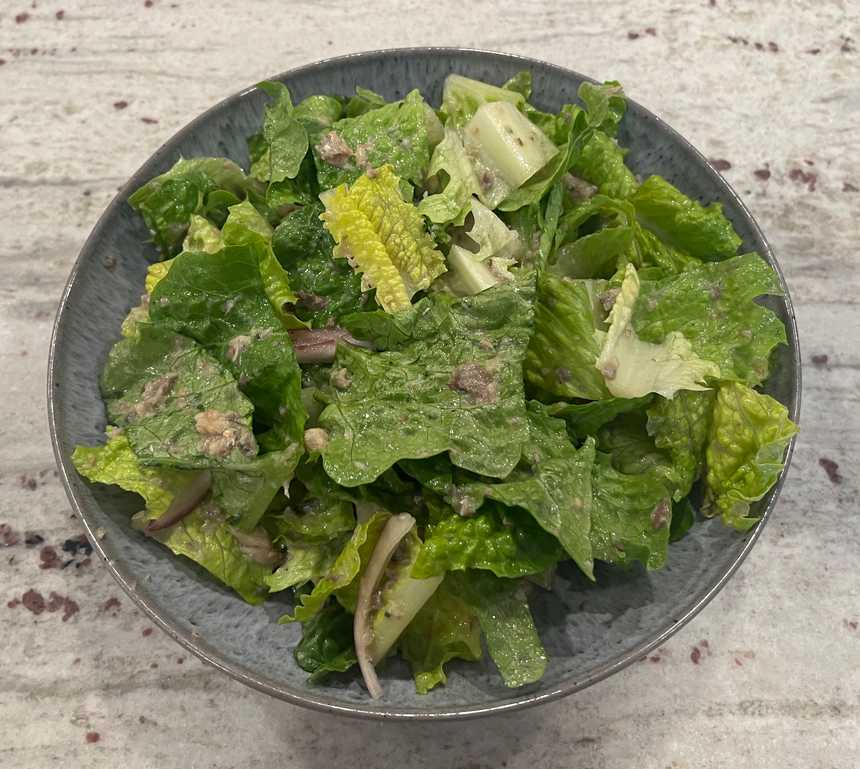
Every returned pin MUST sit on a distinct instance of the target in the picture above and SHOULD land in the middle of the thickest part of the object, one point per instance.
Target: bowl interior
(589, 630)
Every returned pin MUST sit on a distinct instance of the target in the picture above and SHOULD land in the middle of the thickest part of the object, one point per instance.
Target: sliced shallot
(395, 530)
(183, 503)
(318, 345)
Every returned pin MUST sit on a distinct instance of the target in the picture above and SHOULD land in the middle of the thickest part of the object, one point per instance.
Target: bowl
(590, 630)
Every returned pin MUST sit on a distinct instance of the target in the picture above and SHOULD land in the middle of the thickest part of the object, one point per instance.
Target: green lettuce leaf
(507, 625)
(205, 538)
(683, 518)
(681, 426)
(393, 134)
(745, 452)
(220, 300)
(177, 404)
(324, 287)
(343, 572)
(246, 490)
(601, 163)
(703, 232)
(631, 516)
(326, 645)
(115, 463)
(208, 539)
(446, 628)
(454, 201)
(713, 306)
(552, 482)
(305, 562)
(363, 101)
(521, 83)
(318, 113)
(459, 391)
(507, 542)
(563, 350)
(285, 139)
(202, 235)
(168, 201)
(632, 367)
(605, 104)
(585, 419)
(383, 237)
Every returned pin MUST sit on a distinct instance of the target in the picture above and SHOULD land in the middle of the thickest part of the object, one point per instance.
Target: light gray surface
(795, 703)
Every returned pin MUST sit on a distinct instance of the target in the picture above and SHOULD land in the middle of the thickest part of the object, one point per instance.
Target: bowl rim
(319, 700)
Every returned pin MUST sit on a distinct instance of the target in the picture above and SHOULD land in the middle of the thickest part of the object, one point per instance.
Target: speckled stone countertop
(767, 676)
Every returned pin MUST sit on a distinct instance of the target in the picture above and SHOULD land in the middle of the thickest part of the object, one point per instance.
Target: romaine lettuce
(383, 237)
(745, 453)
(460, 391)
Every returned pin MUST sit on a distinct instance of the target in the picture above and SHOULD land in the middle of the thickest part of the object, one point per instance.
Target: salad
(413, 359)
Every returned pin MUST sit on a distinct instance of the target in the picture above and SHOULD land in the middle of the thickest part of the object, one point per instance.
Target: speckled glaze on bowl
(590, 630)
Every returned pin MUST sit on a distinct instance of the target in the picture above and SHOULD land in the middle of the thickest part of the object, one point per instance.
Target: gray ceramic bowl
(590, 631)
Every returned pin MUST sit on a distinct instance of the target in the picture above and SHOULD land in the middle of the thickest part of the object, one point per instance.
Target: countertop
(767, 676)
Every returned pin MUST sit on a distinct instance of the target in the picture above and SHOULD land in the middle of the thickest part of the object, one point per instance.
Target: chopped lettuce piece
(203, 537)
(324, 287)
(507, 542)
(460, 391)
(681, 427)
(462, 97)
(713, 306)
(326, 645)
(632, 367)
(631, 516)
(202, 235)
(245, 225)
(383, 237)
(552, 482)
(605, 104)
(245, 491)
(177, 404)
(207, 538)
(393, 134)
(343, 572)
(601, 162)
(507, 625)
(584, 419)
(521, 83)
(446, 628)
(505, 148)
(305, 562)
(363, 101)
(155, 272)
(220, 300)
(168, 201)
(285, 139)
(703, 232)
(454, 201)
(318, 113)
(745, 453)
(115, 462)
(563, 350)
(683, 518)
